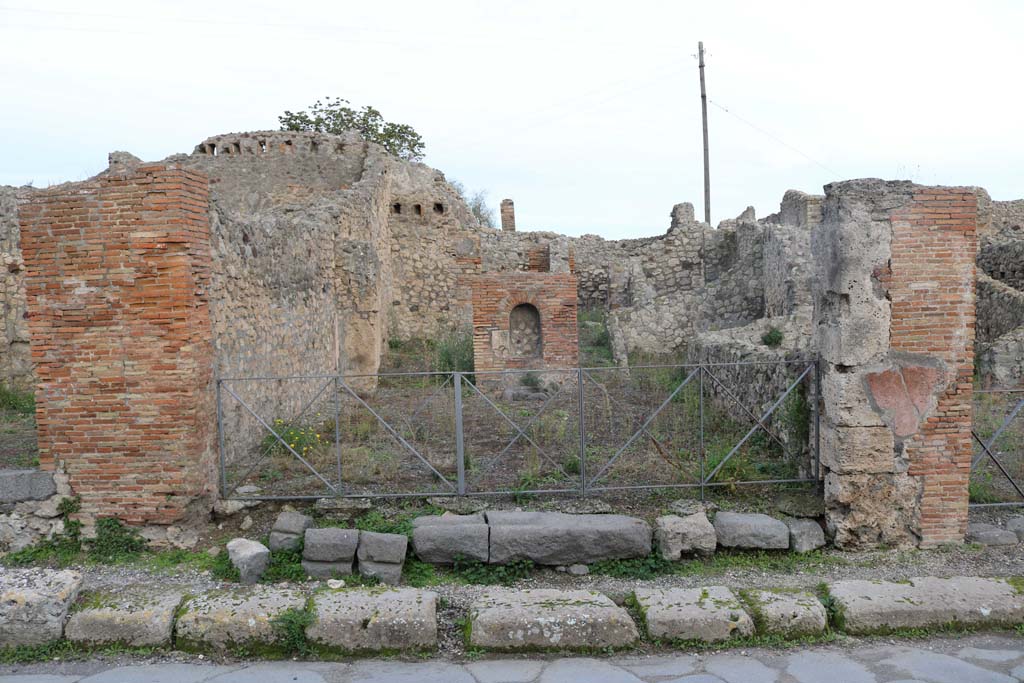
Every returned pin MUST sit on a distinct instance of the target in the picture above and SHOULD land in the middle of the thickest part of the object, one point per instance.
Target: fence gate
(997, 467)
(578, 431)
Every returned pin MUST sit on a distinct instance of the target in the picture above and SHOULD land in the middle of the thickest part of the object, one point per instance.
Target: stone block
(554, 538)
(386, 572)
(34, 604)
(990, 534)
(135, 616)
(788, 614)
(805, 535)
(1016, 525)
(377, 547)
(504, 619)
(865, 510)
(449, 518)
(288, 530)
(330, 545)
(221, 620)
(678, 536)
(20, 485)
(846, 398)
(442, 542)
(327, 570)
(710, 615)
(879, 606)
(250, 558)
(857, 450)
(367, 620)
(751, 531)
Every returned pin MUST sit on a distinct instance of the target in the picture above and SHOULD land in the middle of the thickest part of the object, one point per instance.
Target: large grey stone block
(327, 570)
(449, 518)
(20, 485)
(1016, 525)
(710, 615)
(250, 558)
(554, 538)
(330, 545)
(678, 536)
(751, 531)
(288, 530)
(990, 534)
(221, 620)
(372, 620)
(377, 547)
(873, 606)
(442, 542)
(506, 619)
(137, 616)
(34, 604)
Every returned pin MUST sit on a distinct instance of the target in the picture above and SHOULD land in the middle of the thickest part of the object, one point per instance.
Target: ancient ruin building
(288, 255)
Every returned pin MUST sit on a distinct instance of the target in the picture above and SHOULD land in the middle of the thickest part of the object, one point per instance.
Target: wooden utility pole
(704, 113)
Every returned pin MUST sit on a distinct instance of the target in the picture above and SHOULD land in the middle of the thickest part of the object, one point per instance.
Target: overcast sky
(586, 113)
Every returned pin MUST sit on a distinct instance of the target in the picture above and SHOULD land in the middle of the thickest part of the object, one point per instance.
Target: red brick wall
(554, 296)
(932, 291)
(118, 269)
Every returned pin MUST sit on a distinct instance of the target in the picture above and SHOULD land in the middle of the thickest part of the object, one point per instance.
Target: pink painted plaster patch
(904, 395)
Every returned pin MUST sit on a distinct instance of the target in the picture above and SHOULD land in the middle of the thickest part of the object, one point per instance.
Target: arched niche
(524, 331)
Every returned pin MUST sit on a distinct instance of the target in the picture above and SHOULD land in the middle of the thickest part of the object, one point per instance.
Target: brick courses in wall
(118, 270)
(553, 295)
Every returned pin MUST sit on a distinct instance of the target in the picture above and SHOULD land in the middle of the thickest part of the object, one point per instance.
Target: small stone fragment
(990, 534)
(250, 558)
(805, 535)
(677, 536)
(751, 531)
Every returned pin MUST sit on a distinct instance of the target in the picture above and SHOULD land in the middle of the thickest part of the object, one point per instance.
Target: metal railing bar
(278, 437)
(755, 427)
(615, 368)
(698, 485)
(398, 436)
(999, 432)
(996, 505)
(998, 464)
(511, 422)
(998, 391)
(327, 376)
(750, 413)
(428, 399)
(643, 427)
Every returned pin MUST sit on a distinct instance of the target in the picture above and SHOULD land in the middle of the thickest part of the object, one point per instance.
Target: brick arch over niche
(499, 345)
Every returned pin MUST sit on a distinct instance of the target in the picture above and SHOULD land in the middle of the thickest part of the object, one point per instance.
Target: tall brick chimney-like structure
(508, 215)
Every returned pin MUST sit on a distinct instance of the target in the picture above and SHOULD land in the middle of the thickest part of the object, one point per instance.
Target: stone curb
(35, 606)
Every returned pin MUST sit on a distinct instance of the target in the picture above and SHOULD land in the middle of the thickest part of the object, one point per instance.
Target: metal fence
(997, 468)
(576, 431)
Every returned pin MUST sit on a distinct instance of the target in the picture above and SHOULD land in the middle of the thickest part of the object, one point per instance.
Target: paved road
(974, 659)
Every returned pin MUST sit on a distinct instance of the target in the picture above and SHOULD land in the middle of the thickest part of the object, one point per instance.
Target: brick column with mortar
(894, 326)
(118, 270)
(508, 215)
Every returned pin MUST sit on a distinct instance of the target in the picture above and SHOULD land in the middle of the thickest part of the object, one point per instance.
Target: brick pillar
(118, 269)
(894, 325)
(508, 215)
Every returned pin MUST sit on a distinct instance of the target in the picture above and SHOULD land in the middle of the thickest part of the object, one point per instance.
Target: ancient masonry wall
(16, 367)
(1003, 261)
(1000, 309)
(894, 325)
(118, 275)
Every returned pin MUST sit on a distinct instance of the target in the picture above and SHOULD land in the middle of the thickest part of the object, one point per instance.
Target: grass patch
(17, 400)
(772, 338)
(290, 629)
(481, 573)
(454, 353)
(115, 542)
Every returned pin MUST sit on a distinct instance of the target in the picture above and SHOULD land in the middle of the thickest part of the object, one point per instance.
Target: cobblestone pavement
(971, 659)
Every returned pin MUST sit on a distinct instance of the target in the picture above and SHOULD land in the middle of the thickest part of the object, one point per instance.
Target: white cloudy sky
(586, 113)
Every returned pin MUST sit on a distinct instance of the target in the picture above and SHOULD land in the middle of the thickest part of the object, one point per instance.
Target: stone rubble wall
(16, 367)
(1000, 309)
(1003, 261)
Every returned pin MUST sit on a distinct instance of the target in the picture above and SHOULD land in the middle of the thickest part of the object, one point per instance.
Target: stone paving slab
(222, 619)
(505, 619)
(879, 606)
(134, 616)
(789, 614)
(34, 604)
(712, 614)
(363, 620)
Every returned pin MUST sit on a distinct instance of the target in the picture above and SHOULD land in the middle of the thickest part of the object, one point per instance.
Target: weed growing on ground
(290, 629)
(476, 572)
(16, 400)
(115, 542)
(772, 338)
(285, 565)
(419, 574)
(650, 567)
(375, 521)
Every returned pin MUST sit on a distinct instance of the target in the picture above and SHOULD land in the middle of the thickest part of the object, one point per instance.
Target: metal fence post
(700, 408)
(460, 449)
(583, 432)
(337, 429)
(220, 444)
